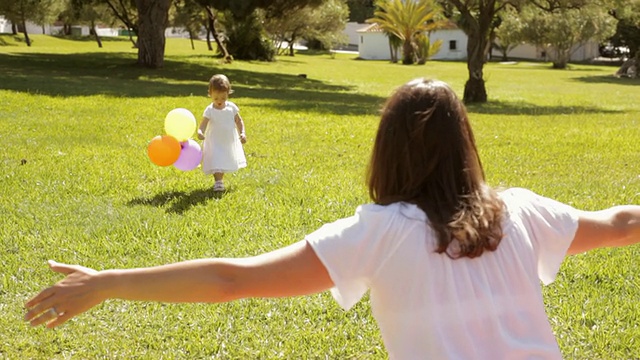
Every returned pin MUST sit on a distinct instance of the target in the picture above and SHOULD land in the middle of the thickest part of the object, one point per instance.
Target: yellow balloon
(180, 123)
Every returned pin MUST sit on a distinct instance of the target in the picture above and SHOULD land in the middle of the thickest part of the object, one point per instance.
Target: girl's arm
(203, 127)
(290, 271)
(613, 227)
(240, 127)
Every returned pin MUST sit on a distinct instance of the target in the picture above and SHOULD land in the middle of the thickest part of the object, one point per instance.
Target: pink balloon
(190, 155)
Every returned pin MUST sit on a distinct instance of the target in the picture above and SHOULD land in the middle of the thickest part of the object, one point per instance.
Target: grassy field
(77, 186)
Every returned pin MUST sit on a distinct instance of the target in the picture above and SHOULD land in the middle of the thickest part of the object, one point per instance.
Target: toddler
(222, 130)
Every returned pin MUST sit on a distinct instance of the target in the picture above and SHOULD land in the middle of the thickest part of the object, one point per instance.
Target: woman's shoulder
(407, 210)
(516, 197)
(527, 201)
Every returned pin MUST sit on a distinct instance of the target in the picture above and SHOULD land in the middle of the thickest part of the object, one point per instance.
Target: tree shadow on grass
(608, 79)
(178, 202)
(117, 75)
(529, 109)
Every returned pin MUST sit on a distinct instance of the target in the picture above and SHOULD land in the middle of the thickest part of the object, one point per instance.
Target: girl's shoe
(218, 186)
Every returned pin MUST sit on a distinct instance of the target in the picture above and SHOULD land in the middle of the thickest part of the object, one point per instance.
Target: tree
(323, 23)
(360, 10)
(424, 48)
(477, 19)
(508, 34)
(562, 29)
(246, 37)
(394, 44)
(406, 18)
(212, 19)
(627, 12)
(21, 11)
(153, 18)
(188, 15)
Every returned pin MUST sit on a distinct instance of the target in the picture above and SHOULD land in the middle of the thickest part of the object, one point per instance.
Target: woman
(453, 267)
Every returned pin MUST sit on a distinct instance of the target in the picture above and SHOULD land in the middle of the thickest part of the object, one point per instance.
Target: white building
(580, 52)
(373, 44)
(454, 44)
(5, 26)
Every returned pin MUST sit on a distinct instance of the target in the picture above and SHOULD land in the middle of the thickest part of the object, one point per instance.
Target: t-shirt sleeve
(352, 250)
(206, 111)
(235, 108)
(553, 226)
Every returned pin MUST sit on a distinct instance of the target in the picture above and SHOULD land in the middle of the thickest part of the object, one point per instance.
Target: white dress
(222, 150)
(429, 306)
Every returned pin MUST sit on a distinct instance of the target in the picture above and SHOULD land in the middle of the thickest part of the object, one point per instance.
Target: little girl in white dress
(222, 130)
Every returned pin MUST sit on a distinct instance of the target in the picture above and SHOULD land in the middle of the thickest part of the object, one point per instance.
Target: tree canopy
(405, 19)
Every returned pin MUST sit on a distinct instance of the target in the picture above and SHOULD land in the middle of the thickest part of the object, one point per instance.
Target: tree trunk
(407, 52)
(209, 38)
(153, 18)
(478, 29)
(95, 33)
(561, 59)
(392, 53)
(24, 30)
(291, 41)
(211, 19)
(474, 89)
(131, 32)
(14, 29)
(629, 68)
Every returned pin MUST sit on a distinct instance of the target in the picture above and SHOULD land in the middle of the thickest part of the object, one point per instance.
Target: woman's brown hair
(425, 154)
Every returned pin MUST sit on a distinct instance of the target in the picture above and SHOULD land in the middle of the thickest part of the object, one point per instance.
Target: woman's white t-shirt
(429, 306)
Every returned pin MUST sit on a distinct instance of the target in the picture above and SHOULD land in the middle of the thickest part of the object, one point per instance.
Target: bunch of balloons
(176, 147)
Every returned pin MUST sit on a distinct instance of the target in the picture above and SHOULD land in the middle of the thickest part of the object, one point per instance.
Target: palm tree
(406, 18)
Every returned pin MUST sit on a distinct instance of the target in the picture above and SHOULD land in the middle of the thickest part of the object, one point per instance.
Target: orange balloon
(163, 150)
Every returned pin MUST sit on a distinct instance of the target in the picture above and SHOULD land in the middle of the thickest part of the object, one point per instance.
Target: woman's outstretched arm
(290, 271)
(613, 227)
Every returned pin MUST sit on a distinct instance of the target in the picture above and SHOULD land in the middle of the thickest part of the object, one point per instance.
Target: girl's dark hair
(219, 82)
(425, 154)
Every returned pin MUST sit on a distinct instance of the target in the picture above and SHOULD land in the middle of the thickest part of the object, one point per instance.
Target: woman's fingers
(38, 308)
(69, 297)
(44, 317)
(59, 320)
(44, 294)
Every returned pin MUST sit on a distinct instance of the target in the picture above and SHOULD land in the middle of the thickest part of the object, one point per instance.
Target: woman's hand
(71, 296)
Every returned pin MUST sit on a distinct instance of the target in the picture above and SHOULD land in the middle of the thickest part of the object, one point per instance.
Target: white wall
(351, 30)
(373, 46)
(107, 32)
(586, 51)
(5, 26)
(450, 38)
(582, 52)
(524, 51)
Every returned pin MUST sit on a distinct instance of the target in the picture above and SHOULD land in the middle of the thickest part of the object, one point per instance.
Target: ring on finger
(53, 312)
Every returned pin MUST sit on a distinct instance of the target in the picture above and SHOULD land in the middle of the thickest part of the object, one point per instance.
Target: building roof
(371, 28)
(375, 28)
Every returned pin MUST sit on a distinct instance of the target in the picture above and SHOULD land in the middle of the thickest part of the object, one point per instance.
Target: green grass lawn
(77, 186)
